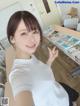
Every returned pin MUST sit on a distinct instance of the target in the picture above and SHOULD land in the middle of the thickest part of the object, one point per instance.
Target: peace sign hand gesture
(53, 54)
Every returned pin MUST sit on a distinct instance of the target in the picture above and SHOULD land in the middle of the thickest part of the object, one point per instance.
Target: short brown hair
(30, 21)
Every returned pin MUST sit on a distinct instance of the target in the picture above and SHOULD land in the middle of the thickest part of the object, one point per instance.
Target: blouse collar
(33, 59)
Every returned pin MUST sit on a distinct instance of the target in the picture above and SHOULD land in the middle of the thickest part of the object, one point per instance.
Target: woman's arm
(21, 84)
(24, 98)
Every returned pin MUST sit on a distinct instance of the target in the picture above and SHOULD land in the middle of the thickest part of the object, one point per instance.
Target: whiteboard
(4, 17)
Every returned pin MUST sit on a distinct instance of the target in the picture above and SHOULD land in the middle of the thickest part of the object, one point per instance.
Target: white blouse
(37, 77)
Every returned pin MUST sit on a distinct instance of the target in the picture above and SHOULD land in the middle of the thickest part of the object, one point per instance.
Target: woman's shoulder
(18, 72)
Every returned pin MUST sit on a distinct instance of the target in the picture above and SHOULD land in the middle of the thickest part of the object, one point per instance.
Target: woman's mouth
(32, 46)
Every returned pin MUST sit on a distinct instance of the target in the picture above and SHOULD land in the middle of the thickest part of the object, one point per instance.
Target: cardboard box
(73, 12)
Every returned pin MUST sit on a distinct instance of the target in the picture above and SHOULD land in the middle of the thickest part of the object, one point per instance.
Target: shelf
(67, 31)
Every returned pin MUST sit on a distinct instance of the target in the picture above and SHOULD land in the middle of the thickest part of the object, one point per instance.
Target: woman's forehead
(21, 25)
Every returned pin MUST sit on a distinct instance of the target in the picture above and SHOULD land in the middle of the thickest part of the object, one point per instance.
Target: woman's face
(26, 41)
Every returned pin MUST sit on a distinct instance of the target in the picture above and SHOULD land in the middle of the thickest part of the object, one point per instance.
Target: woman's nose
(32, 39)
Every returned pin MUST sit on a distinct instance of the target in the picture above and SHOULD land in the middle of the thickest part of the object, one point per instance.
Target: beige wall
(5, 3)
(51, 18)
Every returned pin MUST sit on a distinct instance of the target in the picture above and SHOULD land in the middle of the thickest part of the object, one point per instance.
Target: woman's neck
(22, 55)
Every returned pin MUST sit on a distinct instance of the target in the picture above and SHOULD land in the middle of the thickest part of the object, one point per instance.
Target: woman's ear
(12, 39)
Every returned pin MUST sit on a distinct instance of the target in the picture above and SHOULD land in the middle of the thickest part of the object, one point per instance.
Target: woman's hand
(52, 55)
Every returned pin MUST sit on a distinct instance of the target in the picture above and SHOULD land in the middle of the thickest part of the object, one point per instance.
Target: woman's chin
(30, 51)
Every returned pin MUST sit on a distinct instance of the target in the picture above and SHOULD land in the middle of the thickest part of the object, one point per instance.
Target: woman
(32, 81)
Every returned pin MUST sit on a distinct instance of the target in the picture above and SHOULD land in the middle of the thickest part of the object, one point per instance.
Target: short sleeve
(20, 80)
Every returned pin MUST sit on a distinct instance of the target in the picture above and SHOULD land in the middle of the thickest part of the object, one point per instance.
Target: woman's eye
(23, 33)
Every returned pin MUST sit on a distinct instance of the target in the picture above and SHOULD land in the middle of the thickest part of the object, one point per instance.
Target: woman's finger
(54, 49)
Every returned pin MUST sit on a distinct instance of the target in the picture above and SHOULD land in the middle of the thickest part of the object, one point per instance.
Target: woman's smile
(31, 46)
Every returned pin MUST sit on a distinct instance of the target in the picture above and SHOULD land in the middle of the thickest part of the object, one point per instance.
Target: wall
(48, 18)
